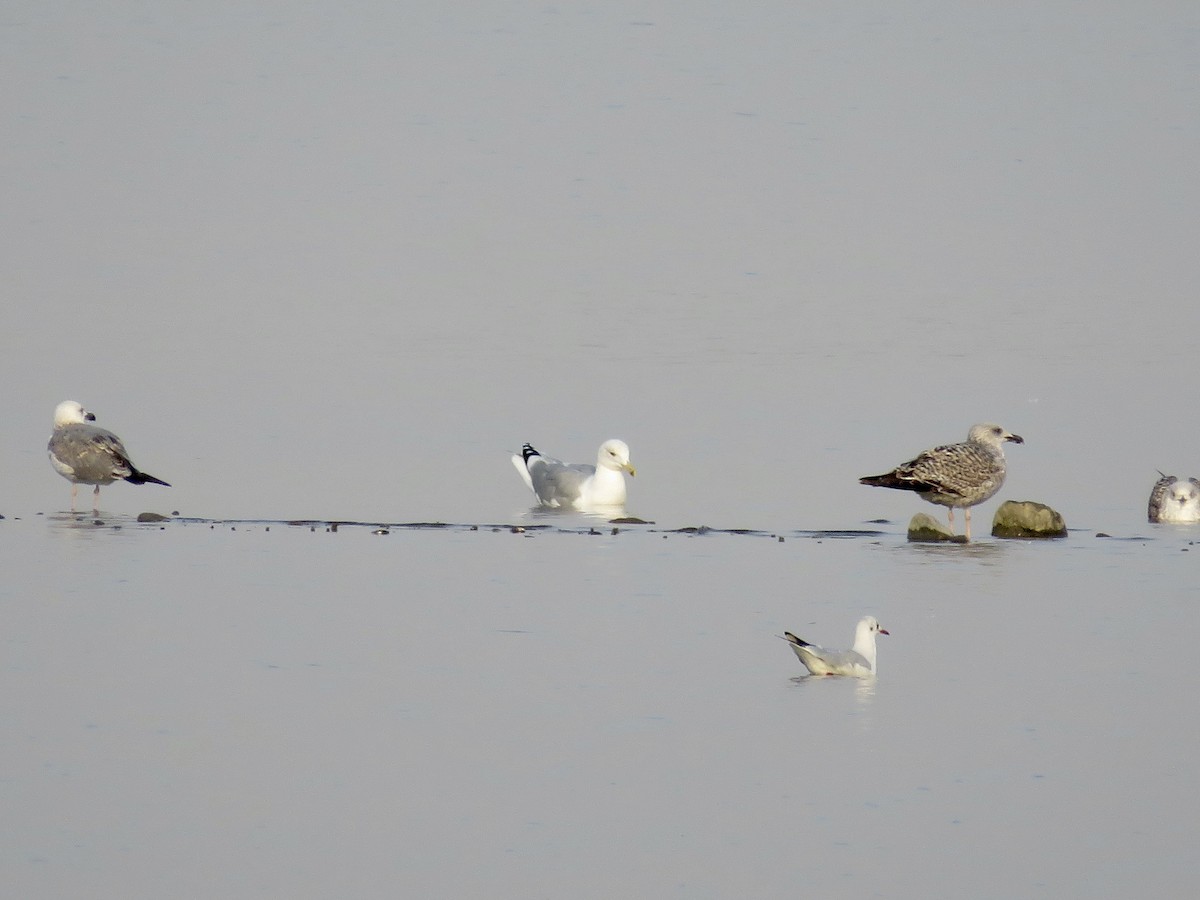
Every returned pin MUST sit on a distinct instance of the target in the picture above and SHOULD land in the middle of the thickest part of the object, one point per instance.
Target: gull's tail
(890, 480)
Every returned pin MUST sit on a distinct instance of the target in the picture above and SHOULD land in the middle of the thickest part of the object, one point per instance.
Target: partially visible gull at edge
(858, 662)
(578, 485)
(957, 476)
(84, 453)
(1174, 500)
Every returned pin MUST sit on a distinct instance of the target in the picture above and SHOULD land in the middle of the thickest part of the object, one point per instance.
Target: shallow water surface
(293, 710)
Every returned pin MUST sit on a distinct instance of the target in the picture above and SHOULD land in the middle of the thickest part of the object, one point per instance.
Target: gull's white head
(1185, 493)
(614, 455)
(870, 625)
(993, 434)
(864, 639)
(71, 412)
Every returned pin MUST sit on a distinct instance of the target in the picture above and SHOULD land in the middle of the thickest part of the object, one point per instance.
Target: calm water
(250, 712)
(338, 265)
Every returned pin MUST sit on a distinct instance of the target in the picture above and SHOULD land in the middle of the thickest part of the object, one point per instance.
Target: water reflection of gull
(857, 662)
(578, 485)
(83, 526)
(957, 476)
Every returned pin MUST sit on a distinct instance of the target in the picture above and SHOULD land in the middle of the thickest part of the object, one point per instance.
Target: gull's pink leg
(96, 500)
(967, 514)
(74, 491)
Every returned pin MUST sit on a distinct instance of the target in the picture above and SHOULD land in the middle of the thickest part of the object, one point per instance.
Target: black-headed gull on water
(858, 662)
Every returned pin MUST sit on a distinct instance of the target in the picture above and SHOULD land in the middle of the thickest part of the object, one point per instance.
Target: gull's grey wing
(556, 482)
(841, 662)
(851, 658)
(89, 454)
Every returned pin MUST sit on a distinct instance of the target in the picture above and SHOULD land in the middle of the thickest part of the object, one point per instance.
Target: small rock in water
(152, 517)
(1027, 519)
(925, 529)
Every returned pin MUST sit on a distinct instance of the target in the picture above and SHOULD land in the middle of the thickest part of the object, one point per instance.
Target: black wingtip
(792, 639)
(527, 451)
(136, 477)
(887, 479)
(893, 481)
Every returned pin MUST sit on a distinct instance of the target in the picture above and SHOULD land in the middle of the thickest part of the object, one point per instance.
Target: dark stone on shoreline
(152, 517)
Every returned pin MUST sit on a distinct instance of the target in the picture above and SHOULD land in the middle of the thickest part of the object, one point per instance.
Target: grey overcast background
(338, 261)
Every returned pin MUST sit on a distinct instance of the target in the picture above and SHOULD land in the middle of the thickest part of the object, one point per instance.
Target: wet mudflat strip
(612, 526)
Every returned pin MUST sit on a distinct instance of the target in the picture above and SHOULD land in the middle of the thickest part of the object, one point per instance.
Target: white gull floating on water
(858, 662)
(1174, 500)
(84, 453)
(577, 485)
(957, 476)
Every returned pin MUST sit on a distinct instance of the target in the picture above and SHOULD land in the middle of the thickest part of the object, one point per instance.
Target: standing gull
(958, 476)
(859, 661)
(577, 485)
(1174, 500)
(84, 453)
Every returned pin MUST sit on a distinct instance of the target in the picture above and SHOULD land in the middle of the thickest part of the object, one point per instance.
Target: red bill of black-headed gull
(558, 484)
(858, 662)
(84, 453)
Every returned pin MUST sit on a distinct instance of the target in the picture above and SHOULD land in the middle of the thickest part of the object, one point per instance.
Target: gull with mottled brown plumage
(957, 476)
(1174, 500)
